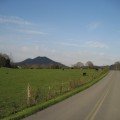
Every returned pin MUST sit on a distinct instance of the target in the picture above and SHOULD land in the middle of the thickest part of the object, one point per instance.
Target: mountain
(40, 62)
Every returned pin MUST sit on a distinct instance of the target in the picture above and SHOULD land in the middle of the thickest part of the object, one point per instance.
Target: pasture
(44, 83)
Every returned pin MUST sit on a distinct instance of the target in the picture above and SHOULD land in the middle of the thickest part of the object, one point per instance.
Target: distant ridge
(40, 62)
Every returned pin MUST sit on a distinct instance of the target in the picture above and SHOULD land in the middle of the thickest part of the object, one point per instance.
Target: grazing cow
(96, 69)
(84, 74)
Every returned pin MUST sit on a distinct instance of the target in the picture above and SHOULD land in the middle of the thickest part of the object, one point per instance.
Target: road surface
(99, 102)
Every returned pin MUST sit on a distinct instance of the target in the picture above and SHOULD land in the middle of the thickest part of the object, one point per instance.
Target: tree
(89, 64)
(4, 60)
(78, 65)
(117, 65)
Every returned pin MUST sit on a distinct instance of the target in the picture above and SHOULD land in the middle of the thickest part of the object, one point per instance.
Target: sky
(67, 31)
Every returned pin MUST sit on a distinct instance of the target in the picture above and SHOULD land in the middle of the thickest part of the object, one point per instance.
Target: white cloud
(13, 20)
(69, 44)
(35, 32)
(67, 57)
(94, 25)
(37, 47)
(97, 58)
(17, 24)
(96, 44)
(25, 49)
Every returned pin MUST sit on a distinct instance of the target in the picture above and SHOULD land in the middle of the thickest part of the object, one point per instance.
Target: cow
(84, 74)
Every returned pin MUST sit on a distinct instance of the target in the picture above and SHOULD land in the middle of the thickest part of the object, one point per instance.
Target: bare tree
(89, 64)
(117, 65)
(78, 65)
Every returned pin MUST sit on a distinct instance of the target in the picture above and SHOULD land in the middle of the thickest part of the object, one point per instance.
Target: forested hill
(40, 61)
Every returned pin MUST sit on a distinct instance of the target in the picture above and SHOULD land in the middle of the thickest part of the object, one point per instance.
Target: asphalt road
(99, 102)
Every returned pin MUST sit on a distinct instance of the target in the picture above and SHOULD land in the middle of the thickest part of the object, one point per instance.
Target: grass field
(50, 82)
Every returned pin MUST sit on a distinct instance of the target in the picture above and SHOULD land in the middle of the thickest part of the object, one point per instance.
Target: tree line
(5, 61)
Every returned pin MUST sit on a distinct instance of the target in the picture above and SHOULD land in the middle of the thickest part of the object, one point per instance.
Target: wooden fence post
(28, 94)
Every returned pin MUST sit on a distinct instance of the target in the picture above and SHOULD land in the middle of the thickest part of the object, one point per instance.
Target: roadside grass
(13, 89)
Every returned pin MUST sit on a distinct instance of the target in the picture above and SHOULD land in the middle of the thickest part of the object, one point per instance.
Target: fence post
(28, 94)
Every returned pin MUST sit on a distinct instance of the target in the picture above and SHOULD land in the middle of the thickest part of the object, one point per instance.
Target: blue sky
(67, 31)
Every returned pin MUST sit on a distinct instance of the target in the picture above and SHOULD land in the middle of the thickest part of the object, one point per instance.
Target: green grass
(13, 87)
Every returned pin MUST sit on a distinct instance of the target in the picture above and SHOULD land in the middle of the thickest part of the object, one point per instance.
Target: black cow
(84, 74)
